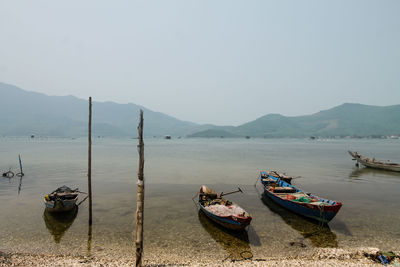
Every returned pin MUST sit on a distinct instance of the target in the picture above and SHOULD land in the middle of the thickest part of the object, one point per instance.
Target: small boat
(294, 199)
(62, 199)
(372, 163)
(222, 211)
(284, 177)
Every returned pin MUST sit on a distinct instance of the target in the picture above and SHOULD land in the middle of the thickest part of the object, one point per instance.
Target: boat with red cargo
(221, 210)
(296, 200)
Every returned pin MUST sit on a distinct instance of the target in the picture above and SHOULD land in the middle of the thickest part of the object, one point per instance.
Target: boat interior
(286, 191)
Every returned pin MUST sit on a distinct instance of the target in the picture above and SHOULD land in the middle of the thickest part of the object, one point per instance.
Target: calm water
(174, 171)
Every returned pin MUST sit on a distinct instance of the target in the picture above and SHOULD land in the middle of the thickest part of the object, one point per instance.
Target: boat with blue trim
(296, 200)
(221, 210)
(61, 200)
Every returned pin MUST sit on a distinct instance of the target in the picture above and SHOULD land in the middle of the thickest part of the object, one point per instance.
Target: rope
(243, 256)
(321, 207)
(320, 223)
(82, 200)
(194, 200)
(8, 174)
(258, 177)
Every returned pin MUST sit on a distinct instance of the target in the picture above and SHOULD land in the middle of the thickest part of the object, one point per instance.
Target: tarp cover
(222, 210)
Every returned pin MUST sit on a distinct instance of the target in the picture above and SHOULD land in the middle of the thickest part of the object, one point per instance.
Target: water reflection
(358, 172)
(59, 223)
(235, 243)
(89, 241)
(319, 236)
(20, 184)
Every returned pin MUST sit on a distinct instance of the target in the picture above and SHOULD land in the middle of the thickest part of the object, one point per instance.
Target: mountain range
(25, 113)
(354, 120)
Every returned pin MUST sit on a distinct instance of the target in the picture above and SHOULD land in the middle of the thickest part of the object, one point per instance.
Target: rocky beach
(312, 257)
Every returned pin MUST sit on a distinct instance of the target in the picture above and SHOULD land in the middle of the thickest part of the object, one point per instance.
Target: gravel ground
(316, 257)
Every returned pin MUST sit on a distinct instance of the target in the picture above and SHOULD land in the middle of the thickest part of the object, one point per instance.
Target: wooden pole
(90, 161)
(89, 241)
(140, 196)
(20, 165)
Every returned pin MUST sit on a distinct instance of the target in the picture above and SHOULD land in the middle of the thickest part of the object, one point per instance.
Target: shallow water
(174, 171)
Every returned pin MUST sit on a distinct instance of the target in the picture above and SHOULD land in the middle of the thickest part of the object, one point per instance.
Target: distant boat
(62, 199)
(222, 211)
(294, 199)
(167, 137)
(372, 163)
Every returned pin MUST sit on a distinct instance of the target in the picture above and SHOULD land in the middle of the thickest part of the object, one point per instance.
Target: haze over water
(174, 171)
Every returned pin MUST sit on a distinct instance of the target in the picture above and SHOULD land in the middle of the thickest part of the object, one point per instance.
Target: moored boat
(282, 176)
(62, 199)
(372, 163)
(294, 199)
(221, 210)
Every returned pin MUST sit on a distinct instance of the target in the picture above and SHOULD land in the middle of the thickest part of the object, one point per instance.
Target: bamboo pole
(140, 196)
(20, 165)
(90, 161)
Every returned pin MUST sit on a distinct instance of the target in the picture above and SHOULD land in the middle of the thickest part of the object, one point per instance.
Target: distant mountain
(344, 120)
(26, 113)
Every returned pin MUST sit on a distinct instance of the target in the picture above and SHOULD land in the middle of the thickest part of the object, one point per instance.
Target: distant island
(24, 113)
(347, 120)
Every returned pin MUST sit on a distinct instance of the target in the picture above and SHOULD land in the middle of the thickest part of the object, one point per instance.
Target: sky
(219, 62)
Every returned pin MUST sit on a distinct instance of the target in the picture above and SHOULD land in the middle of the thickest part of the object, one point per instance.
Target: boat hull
(304, 209)
(323, 212)
(375, 165)
(227, 222)
(60, 206)
(231, 221)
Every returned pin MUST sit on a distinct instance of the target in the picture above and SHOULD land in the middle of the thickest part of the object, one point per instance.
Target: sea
(174, 171)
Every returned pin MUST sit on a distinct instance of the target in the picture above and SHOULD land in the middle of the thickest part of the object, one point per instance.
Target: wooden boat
(284, 177)
(61, 200)
(222, 211)
(294, 199)
(372, 163)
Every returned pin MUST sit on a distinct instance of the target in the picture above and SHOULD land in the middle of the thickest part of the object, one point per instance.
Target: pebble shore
(315, 257)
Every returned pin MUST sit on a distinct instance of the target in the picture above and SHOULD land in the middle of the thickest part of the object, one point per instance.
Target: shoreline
(314, 257)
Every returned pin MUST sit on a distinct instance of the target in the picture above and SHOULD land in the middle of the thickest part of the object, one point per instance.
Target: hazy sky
(221, 62)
